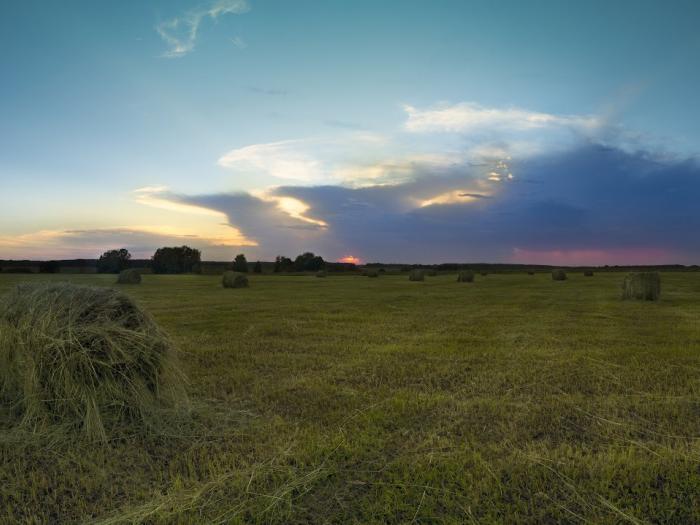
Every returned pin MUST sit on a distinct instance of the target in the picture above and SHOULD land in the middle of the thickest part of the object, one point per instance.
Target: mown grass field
(513, 399)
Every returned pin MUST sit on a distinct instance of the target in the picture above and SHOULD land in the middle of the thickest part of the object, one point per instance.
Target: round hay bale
(416, 275)
(465, 276)
(642, 286)
(531, 273)
(83, 358)
(130, 276)
(234, 280)
(484, 274)
(321, 273)
(371, 272)
(588, 273)
(558, 275)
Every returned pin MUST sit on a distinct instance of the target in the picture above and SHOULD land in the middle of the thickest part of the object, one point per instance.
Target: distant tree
(49, 267)
(283, 264)
(240, 264)
(180, 259)
(308, 262)
(257, 268)
(113, 261)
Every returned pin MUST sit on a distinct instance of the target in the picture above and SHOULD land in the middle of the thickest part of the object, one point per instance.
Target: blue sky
(418, 131)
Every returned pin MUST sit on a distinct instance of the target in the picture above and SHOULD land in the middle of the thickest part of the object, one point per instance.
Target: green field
(513, 399)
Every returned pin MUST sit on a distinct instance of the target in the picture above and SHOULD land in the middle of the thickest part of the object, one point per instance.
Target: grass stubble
(378, 401)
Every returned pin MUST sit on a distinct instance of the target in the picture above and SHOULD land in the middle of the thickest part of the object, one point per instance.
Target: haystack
(130, 276)
(642, 286)
(234, 280)
(321, 273)
(465, 276)
(416, 275)
(558, 275)
(83, 358)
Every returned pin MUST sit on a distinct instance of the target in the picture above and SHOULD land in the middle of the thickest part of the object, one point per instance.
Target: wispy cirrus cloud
(180, 33)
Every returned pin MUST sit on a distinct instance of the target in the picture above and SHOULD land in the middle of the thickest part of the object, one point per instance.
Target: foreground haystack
(642, 286)
(465, 276)
(130, 276)
(83, 358)
(416, 275)
(558, 275)
(234, 280)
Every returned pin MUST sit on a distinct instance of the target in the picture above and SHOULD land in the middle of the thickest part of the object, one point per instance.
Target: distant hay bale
(82, 358)
(321, 273)
(416, 275)
(642, 286)
(371, 272)
(234, 280)
(465, 276)
(431, 273)
(588, 273)
(531, 273)
(129, 277)
(484, 274)
(558, 275)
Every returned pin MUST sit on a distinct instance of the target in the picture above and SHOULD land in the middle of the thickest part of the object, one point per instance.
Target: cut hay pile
(588, 273)
(320, 273)
(558, 275)
(642, 286)
(129, 277)
(84, 359)
(416, 275)
(465, 276)
(234, 280)
(531, 273)
(371, 272)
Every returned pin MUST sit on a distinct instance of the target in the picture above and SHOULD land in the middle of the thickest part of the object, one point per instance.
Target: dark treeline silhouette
(184, 259)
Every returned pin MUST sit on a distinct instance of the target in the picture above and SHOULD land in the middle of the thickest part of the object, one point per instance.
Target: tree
(113, 261)
(283, 264)
(240, 264)
(308, 262)
(49, 267)
(181, 259)
(257, 268)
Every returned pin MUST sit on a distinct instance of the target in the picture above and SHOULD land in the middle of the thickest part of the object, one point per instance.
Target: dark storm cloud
(591, 198)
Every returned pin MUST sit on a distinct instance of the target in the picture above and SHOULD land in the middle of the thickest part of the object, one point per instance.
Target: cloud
(283, 160)
(181, 33)
(141, 241)
(590, 205)
(468, 117)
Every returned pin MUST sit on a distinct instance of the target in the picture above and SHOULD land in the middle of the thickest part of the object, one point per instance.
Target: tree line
(183, 259)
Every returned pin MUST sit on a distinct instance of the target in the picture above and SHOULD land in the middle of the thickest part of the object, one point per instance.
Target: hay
(83, 359)
(431, 273)
(129, 277)
(371, 273)
(558, 275)
(234, 280)
(321, 273)
(416, 275)
(531, 273)
(465, 276)
(484, 274)
(588, 273)
(642, 286)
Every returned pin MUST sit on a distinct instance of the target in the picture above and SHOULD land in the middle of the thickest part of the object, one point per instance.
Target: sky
(550, 132)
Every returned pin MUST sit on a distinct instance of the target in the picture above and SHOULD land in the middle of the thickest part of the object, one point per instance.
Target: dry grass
(83, 358)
